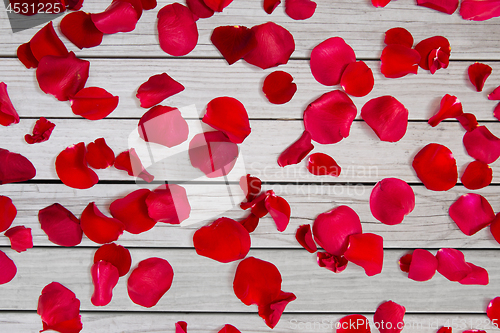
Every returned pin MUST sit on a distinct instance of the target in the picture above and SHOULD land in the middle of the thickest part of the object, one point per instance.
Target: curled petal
(93, 103)
(389, 312)
(445, 6)
(258, 205)
(217, 5)
(367, 251)
(149, 281)
(405, 262)
(181, 327)
(104, 277)
(452, 265)
(132, 210)
(387, 117)
(450, 107)
(332, 229)
(168, 204)
(278, 87)
(357, 79)
(25, 55)
(479, 10)
(8, 213)
(250, 222)
(468, 121)
(8, 115)
(177, 30)
(41, 132)
(156, 89)
(477, 175)
(270, 5)
(399, 60)
(478, 276)
(233, 42)
(391, 200)
(423, 265)
(355, 323)
(436, 167)
(20, 238)
(300, 9)
(79, 28)
(120, 16)
(14, 167)
(251, 187)
(329, 60)
(137, 4)
(478, 73)
(223, 240)
(279, 209)
(437, 60)
(274, 46)
(60, 225)
(99, 155)
(72, 169)
(329, 118)
(199, 9)
(74, 4)
(471, 212)
(482, 145)
(98, 227)
(59, 309)
(495, 94)
(380, 3)
(320, 164)
(493, 310)
(116, 255)
(271, 313)
(304, 237)
(163, 125)
(398, 36)
(46, 42)
(129, 161)
(332, 262)
(296, 151)
(426, 46)
(8, 269)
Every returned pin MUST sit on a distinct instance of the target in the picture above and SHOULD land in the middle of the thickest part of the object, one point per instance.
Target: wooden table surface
(202, 290)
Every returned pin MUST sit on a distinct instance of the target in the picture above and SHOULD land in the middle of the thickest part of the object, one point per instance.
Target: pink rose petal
(8, 269)
(177, 30)
(329, 59)
(391, 200)
(389, 317)
(163, 125)
(479, 10)
(303, 235)
(387, 117)
(482, 145)
(452, 265)
(20, 238)
(104, 277)
(120, 16)
(445, 6)
(471, 212)
(478, 276)
(300, 9)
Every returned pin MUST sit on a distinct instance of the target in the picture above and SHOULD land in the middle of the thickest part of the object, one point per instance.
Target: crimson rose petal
(404, 262)
(25, 55)
(355, 323)
(357, 79)
(446, 6)
(20, 238)
(250, 222)
(79, 28)
(74, 4)
(329, 118)
(399, 60)
(177, 30)
(391, 200)
(93, 103)
(426, 46)
(59, 309)
(320, 164)
(479, 10)
(496, 111)
(477, 175)
(478, 276)
(98, 227)
(271, 313)
(482, 145)
(8, 213)
(258, 205)
(41, 132)
(148, 4)
(8, 115)
(367, 251)
(251, 187)
(8, 269)
(493, 310)
(303, 235)
(436, 167)
(15, 167)
(450, 107)
(163, 125)
(181, 327)
(329, 60)
(300, 9)
(132, 210)
(478, 73)
(380, 3)
(120, 16)
(296, 151)
(104, 277)
(389, 312)
(72, 169)
(116, 255)
(437, 60)
(495, 94)
(129, 161)
(46, 42)
(198, 8)
(168, 204)
(336, 264)
(137, 4)
(452, 265)
(60, 225)
(229, 329)
(398, 36)
(233, 42)
(99, 155)
(278, 87)
(217, 5)
(156, 89)
(149, 281)
(471, 212)
(468, 121)
(387, 117)
(423, 265)
(270, 5)
(279, 209)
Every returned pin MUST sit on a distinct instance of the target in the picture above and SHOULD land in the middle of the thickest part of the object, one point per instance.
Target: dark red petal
(45, 42)
(129, 161)
(387, 117)
(304, 237)
(398, 36)
(8, 269)
(233, 42)
(477, 175)
(270, 5)
(258, 205)
(278, 87)
(445, 6)
(405, 262)
(93, 103)
(329, 60)
(59, 309)
(41, 132)
(296, 151)
(25, 55)
(425, 47)
(229, 329)
(391, 200)
(423, 265)
(181, 327)
(229, 116)
(274, 46)
(74, 4)
(300, 9)
(250, 222)
(320, 164)
(223, 240)
(389, 317)
(213, 153)
(478, 276)
(357, 79)
(116, 255)
(495, 228)
(217, 5)
(332, 229)
(104, 277)
(8, 115)
(198, 8)
(79, 28)
(496, 111)
(251, 187)
(328, 119)
(367, 251)
(271, 313)
(60, 225)
(149, 281)
(163, 125)
(132, 210)
(468, 121)
(15, 167)
(120, 16)
(355, 323)
(148, 4)
(177, 30)
(62, 77)
(72, 169)
(279, 209)
(479, 10)
(399, 60)
(452, 265)
(478, 73)
(98, 227)
(436, 167)
(493, 310)
(99, 155)
(156, 89)
(495, 94)
(437, 60)
(8, 213)
(482, 145)
(20, 238)
(331, 262)
(450, 107)
(380, 3)
(471, 212)
(168, 204)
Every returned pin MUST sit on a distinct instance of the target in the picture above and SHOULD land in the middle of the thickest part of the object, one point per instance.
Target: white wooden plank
(358, 22)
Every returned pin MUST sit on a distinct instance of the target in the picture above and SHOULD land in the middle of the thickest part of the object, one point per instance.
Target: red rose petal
(8, 213)
(332, 229)
(482, 145)
(148, 4)
(495, 228)
(251, 187)
(149, 281)
(274, 46)
(20, 238)
(405, 262)
(168, 203)
(468, 121)
(120, 16)
(79, 28)
(479, 10)
(478, 276)
(217, 5)
(129, 161)
(177, 30)
(93, 103)
(331, 262)
(452, 265)
(329, 60)
(380, 3)
(8, 115)
(132, 210)
(60, 225)
(270, 5)
(229, 329)
(59, 309)
(493, 310)
(116, 255)
(41, 132)
(250, 222)
(156, 89)
(367, 251)
(387, 117)
(389, 317)
(163, 125)
(296, 151)
(478, 73)
(279, 209)
(99, 155)
(233, 42)
(14, 167)
(278, 87)
(445, 6)
(355, 323)
(495, 94)
(72, 169)
(98, 227)
(46, 42)
(181, 327)
(477, 175)
(258, 205)
(398, 36)
(300, 9)
(104, 277)
(496, 112)
(423, 265)
(437, 60)
(137, 4)
(436, 167)
(304, 237)
(391, 200)
(357, 79)
(199, 9)
(426, 46)
(223, 240)
(62, 77)
(271, 313)
(449, 107)
(399, 60)
(74, 4)
(320, 164)
(25, 55)
(471, 212)
(8, 269)
(328, 119)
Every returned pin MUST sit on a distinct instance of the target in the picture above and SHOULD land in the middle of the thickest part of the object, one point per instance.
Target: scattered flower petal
(59, 309)
(163, 125)
(99, 155)
(332, 262)
(168, 203)
(437, 60)
(478, 73)
(478, 276)
(436, 167)
(426, 46)
(496, 111)
(250, 222)
(452, 265)
(445, 6)
(8, 269)
(389, 312)
(296, 151)
(482, 145)
(120, 16)
(271, 313)
(98, 227)
(479, 10)
(46, 42)
(229, 329)
(477, 175)
(148, 4)
(471, 212)
(20, 238)
(104, 277)
(468, 121)
(132, 210)
(300, 9)
(270, 5)
(14, 167)
(72, 169)
(177, 30)
(399, 60)
(387, 117)
(366, 250)
(60, 225)
(380, 3)
(233, 41)
(93, 103)
(129, 161)
(405, 262)
(278, 87)
(329, 59)
(391, 200)
(217, 5)
(251, 187)
(320, 164)
(279, 209)
(303, 235)
(8, 114)
(398, 36)
(423, 265)
(449, 107)
(8, 213)
(116, 255)
(355, 323)
(357, 79)
(79, 28)
(213, 153)
(493, 310)
(181, 327)
(495, 228)
(41, 132)
(156, 89)
(25, 55)
(199, 9)
(495, 94)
